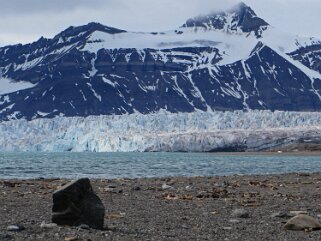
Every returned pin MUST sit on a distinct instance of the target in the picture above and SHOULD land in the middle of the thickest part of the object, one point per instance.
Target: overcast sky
(24, 21)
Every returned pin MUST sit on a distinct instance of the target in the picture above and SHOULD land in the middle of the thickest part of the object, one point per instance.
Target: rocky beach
(251, 208)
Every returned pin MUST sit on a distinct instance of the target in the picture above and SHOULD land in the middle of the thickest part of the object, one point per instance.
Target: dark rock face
(76, 204)
(310, 56)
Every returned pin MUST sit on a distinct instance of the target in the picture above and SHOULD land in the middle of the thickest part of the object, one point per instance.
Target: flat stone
(227, 228)
(295, 213)
(302, 222)
(15, 228)
(188, 188)
(282, 214)
(234, 221)
(71, 238)
(48, 225)
(76, 203)
(166, 187)
(83, 226)
(240, 213)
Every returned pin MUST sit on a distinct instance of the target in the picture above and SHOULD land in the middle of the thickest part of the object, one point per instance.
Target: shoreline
(221, 153)
(196, 208)
(135, 179)
(269, 153)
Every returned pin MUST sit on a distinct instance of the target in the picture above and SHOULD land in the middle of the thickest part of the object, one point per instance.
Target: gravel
(141, 209)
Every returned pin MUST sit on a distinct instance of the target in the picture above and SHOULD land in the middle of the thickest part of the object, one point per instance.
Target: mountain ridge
(99, 70)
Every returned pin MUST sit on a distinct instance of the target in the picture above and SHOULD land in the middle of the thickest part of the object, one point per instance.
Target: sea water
(138, 165)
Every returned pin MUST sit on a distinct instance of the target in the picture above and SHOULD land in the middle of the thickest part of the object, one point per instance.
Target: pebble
(71, 238)
(302, 222)
(48, 225)
(108, 189)
(240, 213)
(188, 188)
(6, 237)
(227, 228)
(234, 221)
(282, 214)
(15, 228)
(166, 187)
(84, 226)
(295, 213)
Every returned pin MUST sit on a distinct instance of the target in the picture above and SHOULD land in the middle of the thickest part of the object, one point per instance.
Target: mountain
(232, 60)
(241, 17)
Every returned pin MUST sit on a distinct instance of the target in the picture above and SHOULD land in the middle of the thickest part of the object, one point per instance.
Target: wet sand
(199, 208)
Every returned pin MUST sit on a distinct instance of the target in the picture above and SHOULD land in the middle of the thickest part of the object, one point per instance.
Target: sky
(26, 21)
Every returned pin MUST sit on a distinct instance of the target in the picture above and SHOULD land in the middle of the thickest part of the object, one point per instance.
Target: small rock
(15, 228)
(227, 228)
(188, 188)
(4, 237)
(107, 189)
(166, 187)
(76, 203)
(48, 225)
(136, 188)
(281, 214)
(240, 213)
(302, 222)
(304, 174)
(185, 226)
(202, 195)
(71, 238)
(117, 215)
(234, 221)
(295, 213)
(9, 184)
(215, 212)
(84, 226)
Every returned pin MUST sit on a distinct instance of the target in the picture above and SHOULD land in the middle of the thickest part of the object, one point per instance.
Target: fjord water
(137, 165)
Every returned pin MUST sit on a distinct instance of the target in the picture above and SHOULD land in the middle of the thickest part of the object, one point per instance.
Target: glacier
(253, 130)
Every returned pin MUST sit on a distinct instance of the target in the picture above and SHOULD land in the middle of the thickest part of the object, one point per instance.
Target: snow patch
(9, 85)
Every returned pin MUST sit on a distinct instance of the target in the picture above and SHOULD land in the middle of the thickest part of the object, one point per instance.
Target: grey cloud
(27, 20)
(8, 7)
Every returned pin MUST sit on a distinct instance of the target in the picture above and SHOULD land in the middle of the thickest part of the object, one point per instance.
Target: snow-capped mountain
(231, 60)
(240, 18)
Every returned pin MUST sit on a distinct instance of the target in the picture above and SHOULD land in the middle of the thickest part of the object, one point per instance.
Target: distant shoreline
(269, 153)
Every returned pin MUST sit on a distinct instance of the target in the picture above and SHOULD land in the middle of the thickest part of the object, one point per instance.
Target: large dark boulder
(76, 203)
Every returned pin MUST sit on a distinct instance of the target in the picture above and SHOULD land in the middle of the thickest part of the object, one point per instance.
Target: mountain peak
(73, 33)
(239, 18)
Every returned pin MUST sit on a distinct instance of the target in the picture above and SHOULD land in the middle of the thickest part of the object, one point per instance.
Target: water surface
(136, 165)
